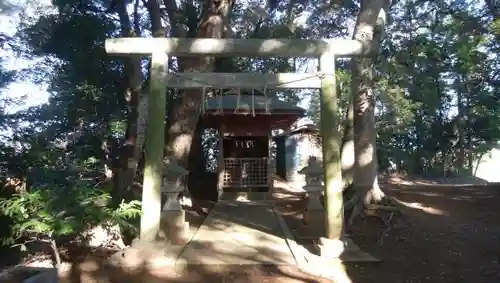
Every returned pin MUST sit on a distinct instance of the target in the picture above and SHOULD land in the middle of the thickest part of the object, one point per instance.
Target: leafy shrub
(46, 214)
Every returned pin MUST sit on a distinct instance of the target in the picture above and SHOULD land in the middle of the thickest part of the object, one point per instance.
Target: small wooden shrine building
(244, 121)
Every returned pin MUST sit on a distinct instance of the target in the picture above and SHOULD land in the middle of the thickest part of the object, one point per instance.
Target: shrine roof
(230, 102)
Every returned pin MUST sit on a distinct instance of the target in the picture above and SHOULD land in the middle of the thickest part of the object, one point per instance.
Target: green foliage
(58, 212)
(495, 27)
(343, 80)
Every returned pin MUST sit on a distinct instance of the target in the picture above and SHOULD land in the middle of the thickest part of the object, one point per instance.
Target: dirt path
(93, 271)
(450, 234)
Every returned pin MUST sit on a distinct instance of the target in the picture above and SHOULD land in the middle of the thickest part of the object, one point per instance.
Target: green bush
(47, 214)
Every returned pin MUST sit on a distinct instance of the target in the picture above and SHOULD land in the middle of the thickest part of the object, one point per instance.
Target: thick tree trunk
(347, 150)
(365, 169)
(124, 174)
(184, 117)
(460, 120)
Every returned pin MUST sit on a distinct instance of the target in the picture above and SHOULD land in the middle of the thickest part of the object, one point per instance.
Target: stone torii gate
(327, 50)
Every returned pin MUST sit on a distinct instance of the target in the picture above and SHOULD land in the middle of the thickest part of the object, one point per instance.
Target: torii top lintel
(236, 47)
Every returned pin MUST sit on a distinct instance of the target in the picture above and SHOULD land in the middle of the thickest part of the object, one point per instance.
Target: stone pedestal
(172, 202)
(220, 192)
(314, 188)
(328, 248)
(314, 206)
(315, 193)
(345, 250)
(174, 226)
(173, 217)
(171, 190)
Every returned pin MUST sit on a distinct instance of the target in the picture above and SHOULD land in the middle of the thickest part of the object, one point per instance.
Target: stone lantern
(314, 183)
(173, 216)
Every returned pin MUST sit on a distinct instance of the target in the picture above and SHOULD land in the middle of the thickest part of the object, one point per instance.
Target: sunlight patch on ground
(426, 209)
(487, 166)
(428, 194)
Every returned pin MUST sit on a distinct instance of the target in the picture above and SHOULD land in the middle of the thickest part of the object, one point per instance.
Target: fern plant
(46, 214)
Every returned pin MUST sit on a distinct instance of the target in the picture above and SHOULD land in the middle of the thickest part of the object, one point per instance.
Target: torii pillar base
(330, 248)
(344, 250)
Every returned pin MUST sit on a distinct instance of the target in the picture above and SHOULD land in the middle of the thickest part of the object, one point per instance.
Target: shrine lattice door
(246, 162)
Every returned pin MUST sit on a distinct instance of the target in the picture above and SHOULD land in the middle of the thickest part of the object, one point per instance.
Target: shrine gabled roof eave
(248, 102)
(308, 128)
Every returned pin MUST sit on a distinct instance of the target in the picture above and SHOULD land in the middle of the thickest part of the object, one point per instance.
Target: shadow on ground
(262, 264)
(448, 234)
(91, 271)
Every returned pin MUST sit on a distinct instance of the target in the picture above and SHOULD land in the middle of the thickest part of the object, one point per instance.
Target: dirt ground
(91, 270)
(447, 234)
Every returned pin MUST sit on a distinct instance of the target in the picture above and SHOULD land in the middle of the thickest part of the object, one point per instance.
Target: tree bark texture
(347, 149)
(184, 117)
(125, 173)
(365, 169)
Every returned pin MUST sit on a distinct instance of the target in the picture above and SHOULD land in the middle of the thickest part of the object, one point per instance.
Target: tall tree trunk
(347, 150)
(184, 117)
(124, 175)
(460, 148)
(371, 15)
